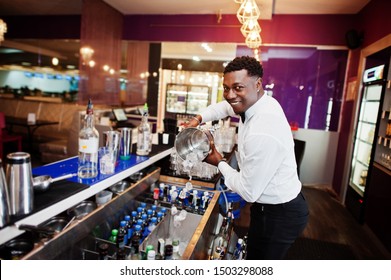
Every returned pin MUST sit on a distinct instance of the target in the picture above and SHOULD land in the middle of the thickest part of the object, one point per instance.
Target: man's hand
(214, 156)
(192, 122)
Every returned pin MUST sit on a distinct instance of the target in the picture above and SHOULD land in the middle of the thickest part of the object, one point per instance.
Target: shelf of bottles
(159, 227)
(186, 99)
(383, 145)
(364, 137)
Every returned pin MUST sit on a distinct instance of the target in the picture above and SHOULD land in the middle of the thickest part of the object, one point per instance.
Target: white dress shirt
(265, 154)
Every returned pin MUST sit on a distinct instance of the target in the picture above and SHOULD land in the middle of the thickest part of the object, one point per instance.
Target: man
(268, 175)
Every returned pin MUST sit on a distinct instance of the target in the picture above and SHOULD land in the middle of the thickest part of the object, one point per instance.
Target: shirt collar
(253, 109)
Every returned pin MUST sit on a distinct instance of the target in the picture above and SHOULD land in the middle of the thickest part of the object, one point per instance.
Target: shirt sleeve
(262, 158)
(217, 111)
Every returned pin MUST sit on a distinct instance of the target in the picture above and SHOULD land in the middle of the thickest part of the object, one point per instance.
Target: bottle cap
(114, 232)
(127, 218)
(134, 213)
(138, 227)
(151, 254)
(154, 220)
(123, 223)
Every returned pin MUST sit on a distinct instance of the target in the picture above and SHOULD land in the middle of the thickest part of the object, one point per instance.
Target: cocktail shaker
(125, 143)
(4, 199)
(20, 183)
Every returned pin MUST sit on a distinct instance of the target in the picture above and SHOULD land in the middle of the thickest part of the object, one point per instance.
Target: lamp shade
(250, 25)
(248, 10)
(253, 40)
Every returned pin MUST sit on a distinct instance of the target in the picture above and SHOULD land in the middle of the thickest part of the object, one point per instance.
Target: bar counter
(91, 187)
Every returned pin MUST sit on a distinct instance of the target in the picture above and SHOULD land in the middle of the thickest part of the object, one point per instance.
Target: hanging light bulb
(3, 29)
(253, 40)
(250, 25)
(248, 10)
(238, 1)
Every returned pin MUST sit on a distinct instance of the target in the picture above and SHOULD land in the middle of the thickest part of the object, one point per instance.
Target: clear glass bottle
(144, 135)
(88, 146)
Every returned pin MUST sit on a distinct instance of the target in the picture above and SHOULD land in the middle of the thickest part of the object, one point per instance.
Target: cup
(107, 160)
(103, 197)
(111, 140)
(20, 183)
(4, 199)
(125, 143)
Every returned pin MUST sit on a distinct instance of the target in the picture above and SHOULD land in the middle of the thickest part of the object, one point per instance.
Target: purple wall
(298, 73)
(282, 29)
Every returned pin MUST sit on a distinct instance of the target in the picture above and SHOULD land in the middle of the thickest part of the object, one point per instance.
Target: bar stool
(5, 137)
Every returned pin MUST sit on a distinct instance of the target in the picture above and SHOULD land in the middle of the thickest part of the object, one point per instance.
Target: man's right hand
(192, 122)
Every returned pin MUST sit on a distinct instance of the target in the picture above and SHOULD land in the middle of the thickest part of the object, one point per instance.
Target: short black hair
(253, 67)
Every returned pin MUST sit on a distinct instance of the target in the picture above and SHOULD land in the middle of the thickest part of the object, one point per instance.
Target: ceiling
(69, 49)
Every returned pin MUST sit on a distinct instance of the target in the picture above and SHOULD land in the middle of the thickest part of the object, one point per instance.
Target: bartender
(268, 175)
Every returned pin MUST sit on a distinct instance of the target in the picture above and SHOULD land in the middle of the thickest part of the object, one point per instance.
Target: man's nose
(229, 93)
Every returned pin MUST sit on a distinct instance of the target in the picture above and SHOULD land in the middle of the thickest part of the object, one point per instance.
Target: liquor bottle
(161, 243)
(221, 239)
(113, 237)
(237, 255)
(88, 146)
(148, 248)
(216, 254)
(121, 241)
(134, 250)
(134, 218)
(154, 208)
(129, 230)
(159, 216)
(168, 251)
(151, 255)
(144, 135)
(175, 250)
(103, 250)
(122, 233)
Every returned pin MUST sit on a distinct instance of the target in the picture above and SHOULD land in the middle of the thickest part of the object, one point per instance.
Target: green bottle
(113, 237)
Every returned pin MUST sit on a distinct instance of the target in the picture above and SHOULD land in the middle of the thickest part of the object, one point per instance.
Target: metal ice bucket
(191, 140)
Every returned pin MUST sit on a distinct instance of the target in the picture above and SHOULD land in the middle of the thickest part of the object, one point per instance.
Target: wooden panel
(101, 30)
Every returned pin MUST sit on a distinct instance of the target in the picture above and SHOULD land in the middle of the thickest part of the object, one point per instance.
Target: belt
(262, 206)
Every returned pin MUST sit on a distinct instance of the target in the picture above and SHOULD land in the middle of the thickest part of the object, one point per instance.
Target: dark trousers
(274, 228)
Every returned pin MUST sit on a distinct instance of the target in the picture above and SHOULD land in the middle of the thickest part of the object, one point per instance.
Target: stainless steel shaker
(20, 183)
(125, 143)
(4, 199)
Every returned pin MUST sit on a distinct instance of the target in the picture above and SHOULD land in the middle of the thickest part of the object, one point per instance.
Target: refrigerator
(365, 140)
(187, 99)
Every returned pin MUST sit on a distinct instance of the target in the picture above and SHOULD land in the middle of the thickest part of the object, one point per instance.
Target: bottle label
(88, 146)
